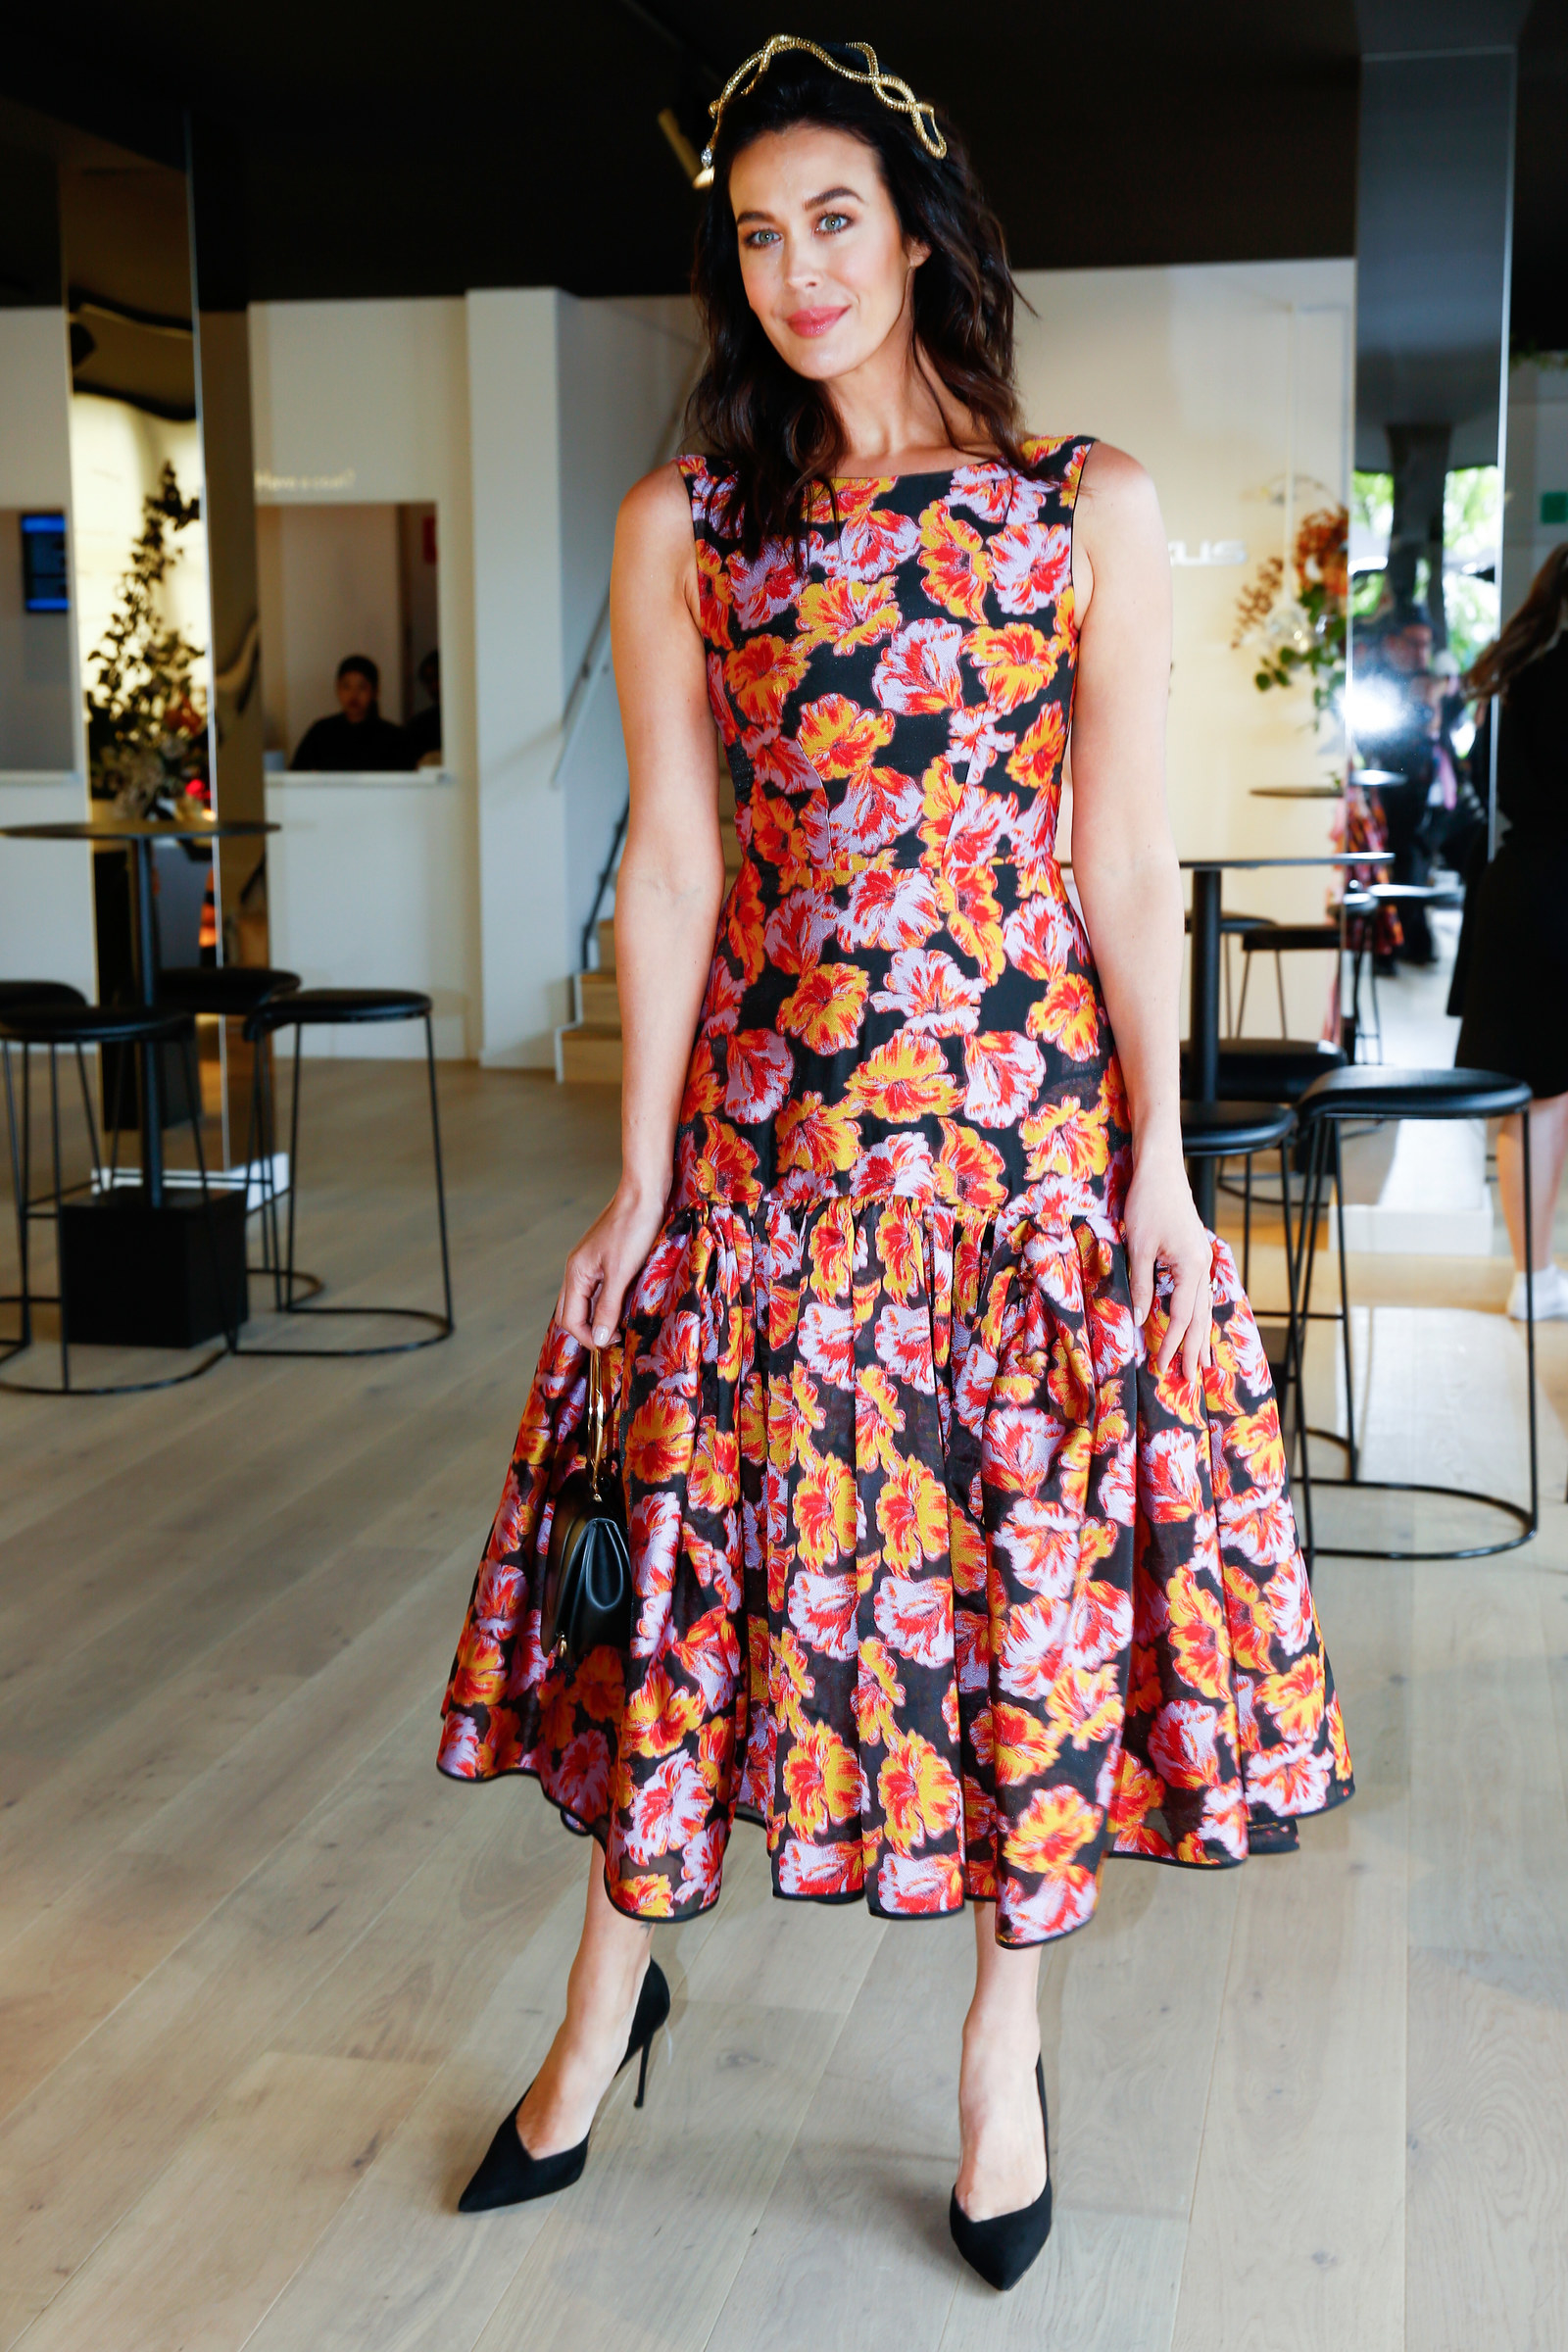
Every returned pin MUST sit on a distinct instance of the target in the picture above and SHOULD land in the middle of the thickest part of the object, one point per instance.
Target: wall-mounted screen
(44, 584)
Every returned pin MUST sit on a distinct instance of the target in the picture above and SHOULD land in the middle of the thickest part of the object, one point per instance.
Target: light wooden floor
(267, 1983)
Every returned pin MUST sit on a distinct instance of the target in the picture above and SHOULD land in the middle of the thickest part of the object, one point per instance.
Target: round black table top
(1217, 866)
(142, 828)
(1296, 792)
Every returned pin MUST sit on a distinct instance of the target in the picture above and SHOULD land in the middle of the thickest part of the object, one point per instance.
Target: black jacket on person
(337, 746)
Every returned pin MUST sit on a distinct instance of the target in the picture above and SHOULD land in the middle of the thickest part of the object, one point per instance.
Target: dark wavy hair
(1529, 634)
(777, 434)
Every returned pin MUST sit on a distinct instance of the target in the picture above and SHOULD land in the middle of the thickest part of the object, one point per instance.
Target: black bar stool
(52, 1026)
(1271, 1070)
(16, 996)
(231, 990)
(1374, 1094)
(1233, 925)
(324, 1008)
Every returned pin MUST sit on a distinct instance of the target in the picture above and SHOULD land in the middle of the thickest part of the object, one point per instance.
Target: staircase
(588, 1048)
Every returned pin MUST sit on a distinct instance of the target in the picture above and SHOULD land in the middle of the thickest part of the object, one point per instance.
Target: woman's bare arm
(1124, 863)
(668, 889)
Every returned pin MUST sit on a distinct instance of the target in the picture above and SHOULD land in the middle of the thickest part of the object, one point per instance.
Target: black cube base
(135, 1276)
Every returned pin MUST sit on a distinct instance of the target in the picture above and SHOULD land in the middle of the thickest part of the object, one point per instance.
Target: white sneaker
(1550, 1289)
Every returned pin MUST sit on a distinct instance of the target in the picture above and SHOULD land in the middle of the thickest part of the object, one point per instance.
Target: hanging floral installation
(1299, 636)
(146, 717)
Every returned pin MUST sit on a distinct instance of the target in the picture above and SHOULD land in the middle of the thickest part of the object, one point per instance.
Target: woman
(932, 1381)
(1511, 978)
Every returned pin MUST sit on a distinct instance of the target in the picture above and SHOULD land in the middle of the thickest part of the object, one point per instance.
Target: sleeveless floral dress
(936, 1579)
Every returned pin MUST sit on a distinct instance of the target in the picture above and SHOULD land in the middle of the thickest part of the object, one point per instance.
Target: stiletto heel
(1002, 2248)
(508, 2174)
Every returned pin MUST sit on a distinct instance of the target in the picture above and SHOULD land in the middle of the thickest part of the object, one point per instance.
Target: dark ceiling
(416, 149)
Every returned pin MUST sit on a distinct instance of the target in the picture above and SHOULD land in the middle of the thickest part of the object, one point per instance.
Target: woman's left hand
(1164, 1229)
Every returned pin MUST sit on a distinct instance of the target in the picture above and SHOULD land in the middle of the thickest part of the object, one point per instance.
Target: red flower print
(872, 546)
(1290, 1600)
(797, 928)
(1198, 1638)
(700, 1862)
(969, 1170)
(847, 613)
(1005, 1073)
(919, 669)
(879, 806)
(1288, 1780)
(930, 993)
(778, 762)
(584, 1771)
(915, 1617)
(1041, 1538)
(761, 1067)
(1101, 1624)
(762, 674)
(658, 1716)
(898, 1165)
(911, 1514)
(1055, 1908)
(816, 1136)
(907, 1078)
(821, 1781)
(971, 1642)
(904, 1344)
(1020, 1447)
(822, 1611)
(1170, 1487)
(912, 1886)
(1016, 663)
(919, 1791)
(1295, 1699)
(825, 1007)
(825, 1337)
(986, 490)
(669, 1806)
(659, 1440)
(1032, 1644)
(1037, 761)
(1067, 1016)
(1181, 1743)
(762, 590)
(1031, 562)
(821, 1870)
(952, 558)
(839, 738)
(889, 906)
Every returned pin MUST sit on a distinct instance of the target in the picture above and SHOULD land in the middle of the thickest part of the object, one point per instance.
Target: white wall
(624, 371)
(46, 920)
(1223, 379)
(1538, 462)
(365, 403)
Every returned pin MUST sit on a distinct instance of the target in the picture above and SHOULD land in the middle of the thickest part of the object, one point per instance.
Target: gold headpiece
(889, 88)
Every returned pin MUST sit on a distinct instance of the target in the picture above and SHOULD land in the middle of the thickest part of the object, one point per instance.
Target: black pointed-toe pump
(1002, 2248)
(508, 2174)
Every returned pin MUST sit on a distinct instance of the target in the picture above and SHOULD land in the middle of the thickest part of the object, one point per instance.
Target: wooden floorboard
(268, 1983)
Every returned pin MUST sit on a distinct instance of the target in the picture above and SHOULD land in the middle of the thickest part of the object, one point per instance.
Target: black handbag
(588, 1592)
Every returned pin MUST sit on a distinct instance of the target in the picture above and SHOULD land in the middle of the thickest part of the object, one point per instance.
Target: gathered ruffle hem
(936, 1579)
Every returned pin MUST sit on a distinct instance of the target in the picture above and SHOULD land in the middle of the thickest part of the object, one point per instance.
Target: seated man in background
(358, 737)
(424, 727)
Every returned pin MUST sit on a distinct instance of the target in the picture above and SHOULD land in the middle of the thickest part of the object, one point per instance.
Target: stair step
(590, 1055)
(607, 943)
(600, 1001)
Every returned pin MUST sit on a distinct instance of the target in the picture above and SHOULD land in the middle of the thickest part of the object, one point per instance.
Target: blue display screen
(44, 579)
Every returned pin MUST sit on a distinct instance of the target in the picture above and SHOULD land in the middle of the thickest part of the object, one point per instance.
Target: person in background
(1399, 733)
(424, 727)
(1510, 982)
(359, 738)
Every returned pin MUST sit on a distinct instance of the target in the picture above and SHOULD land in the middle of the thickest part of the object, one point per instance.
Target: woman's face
(825, 264)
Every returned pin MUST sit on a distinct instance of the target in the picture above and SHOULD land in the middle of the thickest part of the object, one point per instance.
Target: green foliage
(146, 727)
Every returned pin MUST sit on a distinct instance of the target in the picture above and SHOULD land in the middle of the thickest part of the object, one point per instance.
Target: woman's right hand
(604, 1265)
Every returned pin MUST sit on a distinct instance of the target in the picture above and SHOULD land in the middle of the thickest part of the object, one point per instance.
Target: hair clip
(892, 93)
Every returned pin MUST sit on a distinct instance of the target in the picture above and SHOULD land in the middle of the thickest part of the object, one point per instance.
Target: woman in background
(1511, 978)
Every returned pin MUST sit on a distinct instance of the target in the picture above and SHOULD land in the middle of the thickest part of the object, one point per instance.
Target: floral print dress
(936, 1579)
